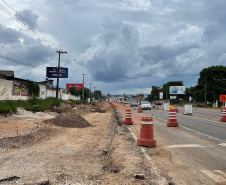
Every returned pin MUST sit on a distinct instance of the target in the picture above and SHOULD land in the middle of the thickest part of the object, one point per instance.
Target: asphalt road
(197, 147)
(214, 129)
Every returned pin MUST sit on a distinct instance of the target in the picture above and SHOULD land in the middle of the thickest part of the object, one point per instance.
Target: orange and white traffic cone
(172, 119)
(128, 117)
(223, 119)
(139, 108)
(146, 133)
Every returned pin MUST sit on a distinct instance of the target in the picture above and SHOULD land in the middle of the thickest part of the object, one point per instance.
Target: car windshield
(144, 102)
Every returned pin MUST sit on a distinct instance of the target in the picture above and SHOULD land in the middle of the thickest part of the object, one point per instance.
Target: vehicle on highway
(133, 104)
(145, 105)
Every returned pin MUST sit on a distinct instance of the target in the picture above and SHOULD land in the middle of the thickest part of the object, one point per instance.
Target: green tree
(33, 88)
(73, 91)
(213, 79)
(155, 93)
(97, 94)
(86, 92)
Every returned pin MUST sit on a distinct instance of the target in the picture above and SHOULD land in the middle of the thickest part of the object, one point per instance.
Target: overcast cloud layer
(124, 46)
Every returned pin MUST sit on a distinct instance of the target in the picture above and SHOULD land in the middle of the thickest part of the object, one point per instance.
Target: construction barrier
(172, 119)
(128, 117)
(146, 133)
(175, 107)
(139, 108)
(223, 119)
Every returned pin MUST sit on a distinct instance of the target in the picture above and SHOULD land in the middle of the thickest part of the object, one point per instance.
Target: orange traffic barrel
(172, 119)
(146, 133)
(139, 108)
(223, 119)
(128, 117)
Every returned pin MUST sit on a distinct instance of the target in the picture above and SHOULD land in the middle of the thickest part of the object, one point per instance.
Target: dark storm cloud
(117, 56)
(21, 47)
(113, 54)
(28, 17)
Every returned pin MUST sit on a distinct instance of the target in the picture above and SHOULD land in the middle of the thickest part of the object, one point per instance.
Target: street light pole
(83, 87)
(58, 72)
(94, 92)
(205, 91)
(90, 92)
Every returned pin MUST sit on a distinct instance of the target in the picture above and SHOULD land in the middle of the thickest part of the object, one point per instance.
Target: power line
(16, 61)
(11, 15)
(20, 50)
(29, 24)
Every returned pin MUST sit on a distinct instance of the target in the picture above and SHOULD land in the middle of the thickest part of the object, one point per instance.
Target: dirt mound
(71, 121)
(35, 136)
(102, 107)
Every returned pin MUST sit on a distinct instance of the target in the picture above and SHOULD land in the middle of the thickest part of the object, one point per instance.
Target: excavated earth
(72, 144)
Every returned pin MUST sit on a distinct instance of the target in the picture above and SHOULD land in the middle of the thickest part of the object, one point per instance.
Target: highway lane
(196, 149)
(214, 129)
(208, 112)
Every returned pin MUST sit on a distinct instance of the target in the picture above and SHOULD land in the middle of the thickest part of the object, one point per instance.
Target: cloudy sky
(124, 46)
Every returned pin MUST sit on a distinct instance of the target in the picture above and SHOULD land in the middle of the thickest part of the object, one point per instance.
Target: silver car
(145, 105)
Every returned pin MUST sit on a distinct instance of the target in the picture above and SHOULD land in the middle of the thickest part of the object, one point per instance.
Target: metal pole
(58, 72)
(94, 92)
(205, 92)
(83, 88)
(90, 92)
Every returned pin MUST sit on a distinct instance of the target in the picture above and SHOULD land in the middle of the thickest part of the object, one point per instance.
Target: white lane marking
(223, 144)
(202, 134)
(216, 178)
(205, 119)
(142, 149)
(134, 136)
(145, 154)
(183, 146)
(223, 123)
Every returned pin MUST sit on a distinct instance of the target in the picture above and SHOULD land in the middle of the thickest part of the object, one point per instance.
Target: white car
(145, 105)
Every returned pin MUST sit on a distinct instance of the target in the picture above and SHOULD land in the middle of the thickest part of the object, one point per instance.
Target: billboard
(24, 90)
(16, 88)
(51, 72)
(77, 86)
(161, 95)
(177, 90)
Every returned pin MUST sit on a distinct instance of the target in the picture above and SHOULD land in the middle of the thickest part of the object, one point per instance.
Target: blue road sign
(51, 72)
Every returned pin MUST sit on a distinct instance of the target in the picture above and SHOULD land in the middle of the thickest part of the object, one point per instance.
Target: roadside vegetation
(210, 85)
(33, 104)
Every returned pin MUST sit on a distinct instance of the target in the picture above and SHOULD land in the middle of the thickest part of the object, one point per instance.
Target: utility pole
(90, 92)
(94, 92)
(205, 91)
(83, 87)
(58, 72)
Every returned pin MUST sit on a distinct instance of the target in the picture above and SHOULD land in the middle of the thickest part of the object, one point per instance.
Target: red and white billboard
(77, 86)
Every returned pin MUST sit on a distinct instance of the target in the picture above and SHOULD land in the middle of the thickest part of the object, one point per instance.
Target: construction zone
(100, 143)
